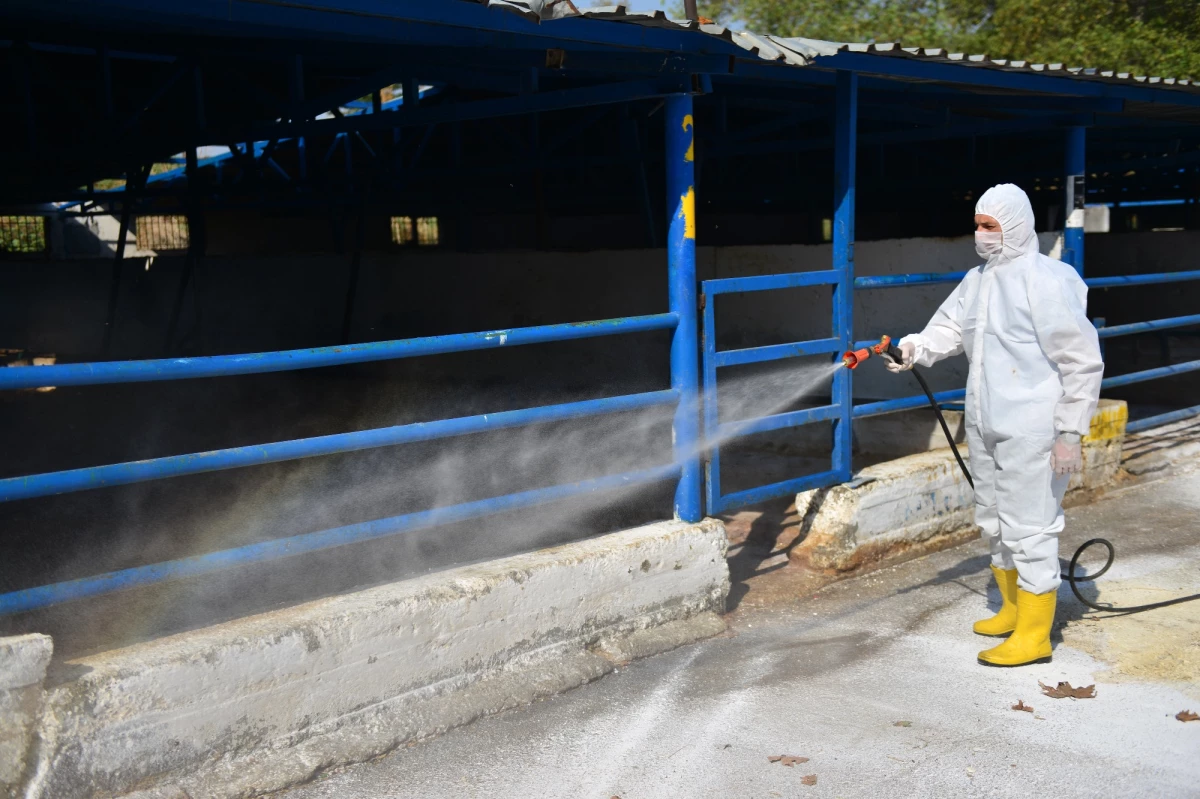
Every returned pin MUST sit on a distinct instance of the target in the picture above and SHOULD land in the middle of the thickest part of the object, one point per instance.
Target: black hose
(945, 428)
(1071, 576)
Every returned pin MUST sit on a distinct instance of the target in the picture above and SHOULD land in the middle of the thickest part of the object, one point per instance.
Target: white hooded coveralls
(1035, 372)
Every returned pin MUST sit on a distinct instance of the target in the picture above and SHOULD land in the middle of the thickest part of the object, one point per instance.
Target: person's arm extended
(942, 337)
(1059, 312)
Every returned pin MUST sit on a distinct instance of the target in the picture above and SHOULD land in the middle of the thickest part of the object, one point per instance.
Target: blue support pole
(296, 96)
(844, 164)
(681, 274)
(712, 417)
(1076, 197)
(1100, 322)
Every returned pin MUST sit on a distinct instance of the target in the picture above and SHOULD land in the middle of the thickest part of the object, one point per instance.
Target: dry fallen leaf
(1020, 705)
(811, 779)
(1064, 691)
(1187, 715)
(787, 760)
(902, 724)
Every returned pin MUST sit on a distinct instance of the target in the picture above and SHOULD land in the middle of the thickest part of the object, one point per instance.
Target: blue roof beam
(896, 67)
(764, 80)
(934, 133)
(626, 91)
(493, 80)
(993, 102)
(464, 26)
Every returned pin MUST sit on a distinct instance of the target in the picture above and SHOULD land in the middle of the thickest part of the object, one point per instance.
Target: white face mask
(988, 243)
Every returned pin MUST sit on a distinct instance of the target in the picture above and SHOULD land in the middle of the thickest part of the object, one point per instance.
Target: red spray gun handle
(884, 348)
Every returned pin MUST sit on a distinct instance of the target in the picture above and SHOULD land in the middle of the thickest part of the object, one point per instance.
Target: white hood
(1010, 206)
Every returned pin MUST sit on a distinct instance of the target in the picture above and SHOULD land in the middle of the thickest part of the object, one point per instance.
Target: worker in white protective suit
(1032, 386)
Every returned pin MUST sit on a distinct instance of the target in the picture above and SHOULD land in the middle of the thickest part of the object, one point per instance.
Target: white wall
(253, 303)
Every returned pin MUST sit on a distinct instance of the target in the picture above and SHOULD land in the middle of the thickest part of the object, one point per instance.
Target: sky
(651, 5)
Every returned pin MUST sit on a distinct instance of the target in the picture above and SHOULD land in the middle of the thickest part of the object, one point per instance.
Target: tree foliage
(1145, 37)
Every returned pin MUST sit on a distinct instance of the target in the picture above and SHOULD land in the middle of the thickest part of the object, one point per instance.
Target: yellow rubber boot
(1030, 641)
(1005, 620)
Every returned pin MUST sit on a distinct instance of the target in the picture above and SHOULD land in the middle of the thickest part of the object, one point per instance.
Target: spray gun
(884, 348)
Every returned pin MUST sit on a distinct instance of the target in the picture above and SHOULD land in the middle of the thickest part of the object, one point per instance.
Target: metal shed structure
(674, 119)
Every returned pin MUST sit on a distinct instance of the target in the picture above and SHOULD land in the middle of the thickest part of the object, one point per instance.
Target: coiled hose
(1072, 578)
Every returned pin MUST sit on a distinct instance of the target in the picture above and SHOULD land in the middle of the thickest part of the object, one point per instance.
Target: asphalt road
(875, 681)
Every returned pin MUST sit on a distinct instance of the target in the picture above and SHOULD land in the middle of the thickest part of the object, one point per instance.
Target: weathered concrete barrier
(23, 662)
(264, 702)
(1103, 447)
(920, 503)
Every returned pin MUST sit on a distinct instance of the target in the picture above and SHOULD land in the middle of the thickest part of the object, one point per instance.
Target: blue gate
(838, 411)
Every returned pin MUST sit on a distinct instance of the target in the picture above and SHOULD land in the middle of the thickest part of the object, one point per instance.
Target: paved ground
(875, 681)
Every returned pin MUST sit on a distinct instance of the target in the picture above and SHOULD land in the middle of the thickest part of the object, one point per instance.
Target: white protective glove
(907, 351)
(1066, 456)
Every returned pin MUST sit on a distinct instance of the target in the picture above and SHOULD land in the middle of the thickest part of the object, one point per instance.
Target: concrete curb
(885, 509)
(23, 662)
(262, 703)
(921, 503)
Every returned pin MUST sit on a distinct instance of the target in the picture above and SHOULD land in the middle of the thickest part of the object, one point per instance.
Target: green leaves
(1145, 37)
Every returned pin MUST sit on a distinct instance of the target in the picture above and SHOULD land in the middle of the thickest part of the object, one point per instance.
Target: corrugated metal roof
(804, 52)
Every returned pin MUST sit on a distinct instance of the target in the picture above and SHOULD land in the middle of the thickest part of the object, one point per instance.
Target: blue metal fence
(40, 485)
(715, 431)
(842, 408)
(681, 319)
(892, 281)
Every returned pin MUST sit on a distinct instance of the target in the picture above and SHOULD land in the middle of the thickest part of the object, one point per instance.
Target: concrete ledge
(268, 701)
(23, 662)
(887, 507)
(920, 503)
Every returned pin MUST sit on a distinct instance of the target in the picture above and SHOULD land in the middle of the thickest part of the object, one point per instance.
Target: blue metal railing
(893, 281)
(1138, 425)
(85, 374)
(716, 432)
(683, 394)
(61, 482)
(41, 485)
(840, 277)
